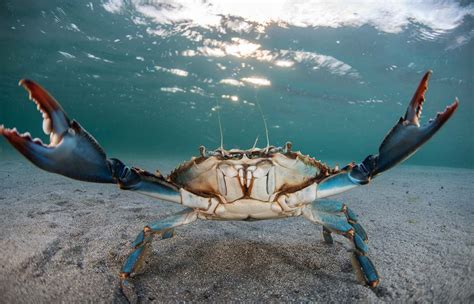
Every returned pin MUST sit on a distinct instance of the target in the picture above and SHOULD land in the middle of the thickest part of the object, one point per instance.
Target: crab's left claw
(72, 151)
(407, 136)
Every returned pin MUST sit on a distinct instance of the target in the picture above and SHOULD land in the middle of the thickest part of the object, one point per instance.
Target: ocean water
(149, 78)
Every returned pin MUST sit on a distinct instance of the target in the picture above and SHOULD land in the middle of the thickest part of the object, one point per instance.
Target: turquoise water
(147, 78)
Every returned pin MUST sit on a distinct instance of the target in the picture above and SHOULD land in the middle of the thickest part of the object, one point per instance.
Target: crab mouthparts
(55, 121)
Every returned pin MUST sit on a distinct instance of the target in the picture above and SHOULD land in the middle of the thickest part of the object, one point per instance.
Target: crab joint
(344, 208)
(207, 204)
(124, 275)
(350, 234)
(143, 236)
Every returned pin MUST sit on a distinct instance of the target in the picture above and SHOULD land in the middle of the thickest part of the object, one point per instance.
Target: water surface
(148, 78)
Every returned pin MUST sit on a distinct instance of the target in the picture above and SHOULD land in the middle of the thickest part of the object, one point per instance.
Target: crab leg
(142, 242)
(337, 217)
(403, 140)
(74, 153)
(330, 206)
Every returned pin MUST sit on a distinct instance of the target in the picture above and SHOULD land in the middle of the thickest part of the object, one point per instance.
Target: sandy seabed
(65, 241)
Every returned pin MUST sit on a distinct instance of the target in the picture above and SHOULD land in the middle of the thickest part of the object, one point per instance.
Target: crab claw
(407, 136)
(72, 151)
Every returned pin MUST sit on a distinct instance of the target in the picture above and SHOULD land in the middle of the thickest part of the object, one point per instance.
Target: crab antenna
(220, 124)
(255, 143)
(263, 118)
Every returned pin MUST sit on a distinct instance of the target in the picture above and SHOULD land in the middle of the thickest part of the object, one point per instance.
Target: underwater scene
(148, 78)
(209, 94)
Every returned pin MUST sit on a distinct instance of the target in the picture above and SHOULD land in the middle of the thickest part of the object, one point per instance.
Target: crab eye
(254, 155)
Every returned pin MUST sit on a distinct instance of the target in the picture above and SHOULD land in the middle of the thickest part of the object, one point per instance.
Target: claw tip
(427, 76)
(455, 103)
(26, 83)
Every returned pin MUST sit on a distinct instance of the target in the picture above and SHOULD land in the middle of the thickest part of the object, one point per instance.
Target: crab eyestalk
(71, 152)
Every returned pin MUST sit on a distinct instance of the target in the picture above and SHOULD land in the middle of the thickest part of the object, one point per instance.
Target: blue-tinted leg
(168, 234)
(338, 218)
(337, 209)
(352, 219)
(365, 270)
(327, 236)
(142, 243)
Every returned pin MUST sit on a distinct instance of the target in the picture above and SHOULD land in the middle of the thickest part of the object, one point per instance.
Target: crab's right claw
(72, 151)
(407, 136)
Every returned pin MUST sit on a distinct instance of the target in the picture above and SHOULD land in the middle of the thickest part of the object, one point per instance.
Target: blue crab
(254, 184)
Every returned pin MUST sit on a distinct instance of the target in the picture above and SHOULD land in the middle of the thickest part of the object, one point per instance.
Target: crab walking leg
(331, 206)
(74, 153)
(338, 218)
(163, 227)
(327, 236)
(142, 243)
(403, 140)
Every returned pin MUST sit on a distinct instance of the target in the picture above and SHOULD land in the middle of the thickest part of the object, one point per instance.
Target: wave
(386, 16)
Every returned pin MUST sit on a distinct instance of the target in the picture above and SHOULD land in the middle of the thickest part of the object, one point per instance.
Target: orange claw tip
(29, 85)
(452, 107)
(40, 96)
(444, 116)
(26, 82)
(424, 81)
(427, 75)
(5, 131)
